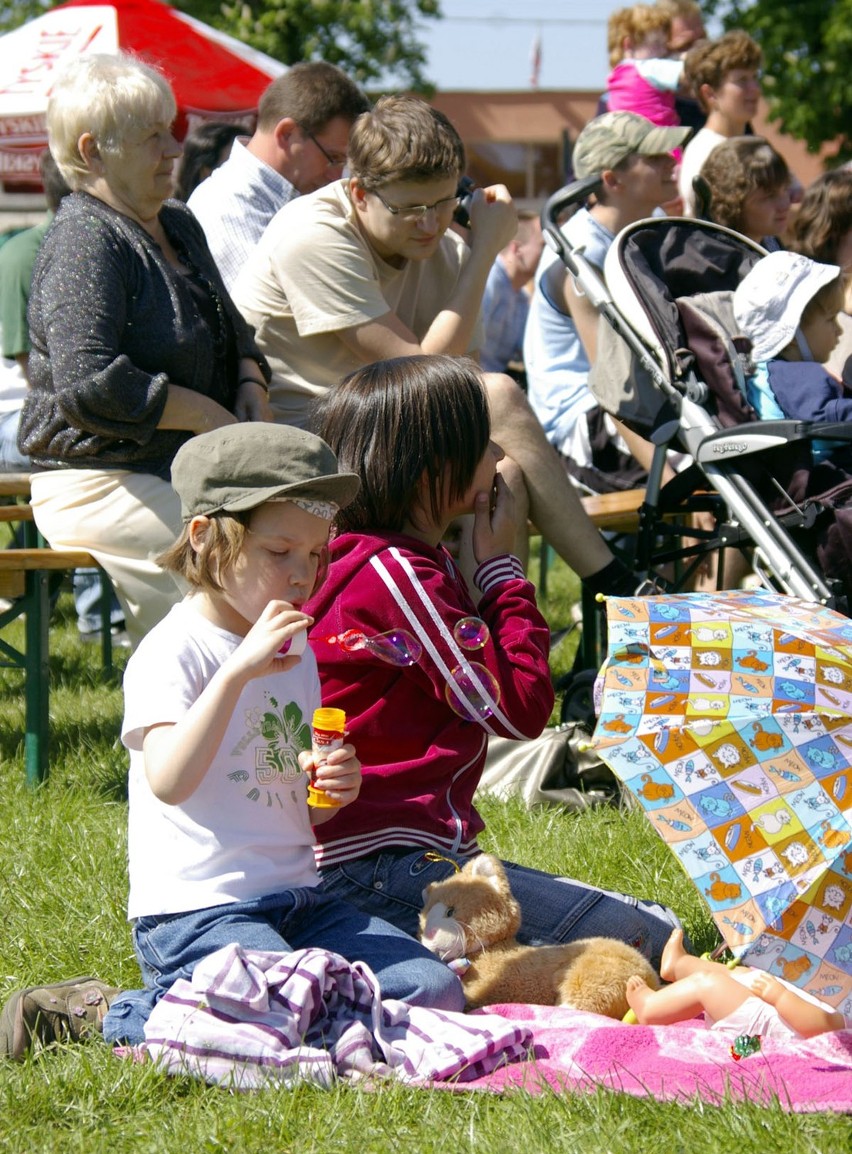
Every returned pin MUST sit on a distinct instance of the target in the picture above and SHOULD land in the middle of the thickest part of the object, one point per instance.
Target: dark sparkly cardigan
(112, 323)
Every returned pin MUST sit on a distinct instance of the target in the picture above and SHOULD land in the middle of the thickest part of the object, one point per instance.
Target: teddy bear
(470, 920)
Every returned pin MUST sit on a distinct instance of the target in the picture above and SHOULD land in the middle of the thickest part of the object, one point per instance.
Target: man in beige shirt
(368, 269)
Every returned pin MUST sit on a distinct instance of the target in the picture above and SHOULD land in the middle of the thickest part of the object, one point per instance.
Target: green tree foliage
(19, 11)
(370, 39)
(807, 49)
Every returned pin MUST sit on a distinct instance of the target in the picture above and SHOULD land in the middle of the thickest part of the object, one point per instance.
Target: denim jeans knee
(556, 909)
(389, 885)
(169, 947)
(405, 969)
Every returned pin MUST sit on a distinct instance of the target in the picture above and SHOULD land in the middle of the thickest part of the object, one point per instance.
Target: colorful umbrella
(729, 716)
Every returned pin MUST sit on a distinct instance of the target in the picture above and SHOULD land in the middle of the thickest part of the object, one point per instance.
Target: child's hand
(258, 652)
(339, 777)
(494, 527)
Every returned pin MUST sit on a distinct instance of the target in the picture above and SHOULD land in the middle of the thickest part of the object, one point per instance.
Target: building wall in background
(523, 139)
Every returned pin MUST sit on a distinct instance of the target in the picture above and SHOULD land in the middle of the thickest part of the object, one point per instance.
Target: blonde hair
(688, 9)
(202, 568)
(634, 23)
(111, 97)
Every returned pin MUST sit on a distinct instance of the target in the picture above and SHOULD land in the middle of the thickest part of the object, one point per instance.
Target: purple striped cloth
(249, 1017)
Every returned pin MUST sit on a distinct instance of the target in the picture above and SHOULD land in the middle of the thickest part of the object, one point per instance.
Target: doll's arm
(802, 1016)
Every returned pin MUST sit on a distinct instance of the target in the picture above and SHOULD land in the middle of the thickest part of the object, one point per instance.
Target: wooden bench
(15, 485)
(610, 512)
(25, 575)
(615, 512)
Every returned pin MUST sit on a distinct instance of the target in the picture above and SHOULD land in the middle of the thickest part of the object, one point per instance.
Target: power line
(565, 20)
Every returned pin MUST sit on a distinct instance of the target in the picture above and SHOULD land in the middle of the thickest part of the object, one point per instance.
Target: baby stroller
(671, 366)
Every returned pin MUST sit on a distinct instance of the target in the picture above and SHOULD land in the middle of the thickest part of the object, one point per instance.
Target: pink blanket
(575, 1051)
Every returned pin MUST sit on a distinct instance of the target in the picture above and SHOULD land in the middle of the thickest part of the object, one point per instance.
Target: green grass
(62, 895)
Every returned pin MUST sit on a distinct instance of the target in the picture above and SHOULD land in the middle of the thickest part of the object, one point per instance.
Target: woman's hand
(186, 409)
(494, 527)
(252, 402)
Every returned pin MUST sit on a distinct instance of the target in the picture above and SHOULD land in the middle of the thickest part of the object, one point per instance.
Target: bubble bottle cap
(330, 720)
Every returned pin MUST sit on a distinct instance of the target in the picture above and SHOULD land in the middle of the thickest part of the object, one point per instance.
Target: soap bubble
(473, 691)
(397, 647)
(471, 633)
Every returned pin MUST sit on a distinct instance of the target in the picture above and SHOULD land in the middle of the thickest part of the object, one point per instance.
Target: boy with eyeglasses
(368, 266)
(368, 269)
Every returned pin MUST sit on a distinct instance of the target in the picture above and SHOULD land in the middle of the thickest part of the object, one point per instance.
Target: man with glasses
(368, 268)
(300, 145)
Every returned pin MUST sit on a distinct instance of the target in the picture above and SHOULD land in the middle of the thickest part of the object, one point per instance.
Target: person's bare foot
(637, 991)
(673, 951)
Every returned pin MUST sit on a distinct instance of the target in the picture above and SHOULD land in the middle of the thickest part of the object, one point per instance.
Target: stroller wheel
(577, 697)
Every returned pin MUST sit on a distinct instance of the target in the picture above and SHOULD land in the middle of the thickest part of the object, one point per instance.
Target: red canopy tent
(213, 75)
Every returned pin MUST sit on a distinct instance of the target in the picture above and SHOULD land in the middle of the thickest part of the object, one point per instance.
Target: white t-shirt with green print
(245, 831)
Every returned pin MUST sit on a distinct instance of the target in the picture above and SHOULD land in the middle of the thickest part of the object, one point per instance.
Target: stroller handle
(572, 194)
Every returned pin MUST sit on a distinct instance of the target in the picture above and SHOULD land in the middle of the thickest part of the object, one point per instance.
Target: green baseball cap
(612, 137)
(239, 467)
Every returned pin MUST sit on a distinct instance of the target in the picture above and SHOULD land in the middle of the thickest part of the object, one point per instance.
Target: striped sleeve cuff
(496, 570)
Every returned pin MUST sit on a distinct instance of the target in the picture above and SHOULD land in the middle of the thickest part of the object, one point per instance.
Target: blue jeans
(390, 885)
(87, 601)
(170, 946)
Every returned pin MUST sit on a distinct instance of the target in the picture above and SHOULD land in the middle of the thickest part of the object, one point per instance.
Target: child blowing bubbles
(217, 723)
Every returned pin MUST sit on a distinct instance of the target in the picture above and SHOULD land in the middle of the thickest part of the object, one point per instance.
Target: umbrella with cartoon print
(729, 716)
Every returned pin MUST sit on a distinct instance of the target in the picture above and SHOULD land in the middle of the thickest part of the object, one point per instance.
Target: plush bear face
(469, 911)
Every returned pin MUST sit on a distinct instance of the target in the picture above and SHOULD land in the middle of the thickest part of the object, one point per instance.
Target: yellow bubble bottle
(327, 728)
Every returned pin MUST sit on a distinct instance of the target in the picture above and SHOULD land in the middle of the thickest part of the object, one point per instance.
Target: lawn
(62, 895)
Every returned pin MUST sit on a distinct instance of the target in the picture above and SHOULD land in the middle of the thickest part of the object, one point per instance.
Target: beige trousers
(124, 520)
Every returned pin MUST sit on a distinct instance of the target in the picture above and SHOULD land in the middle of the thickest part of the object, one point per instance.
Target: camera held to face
(466, 187)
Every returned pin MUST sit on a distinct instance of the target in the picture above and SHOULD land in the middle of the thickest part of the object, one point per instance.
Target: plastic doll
(742, 1001)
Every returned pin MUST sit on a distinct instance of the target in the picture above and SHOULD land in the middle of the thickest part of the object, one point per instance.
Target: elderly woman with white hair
(136, 345)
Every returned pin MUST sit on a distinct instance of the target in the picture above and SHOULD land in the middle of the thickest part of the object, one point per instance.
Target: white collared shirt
(235, 204)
